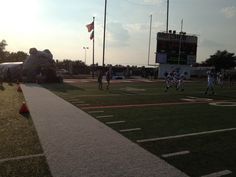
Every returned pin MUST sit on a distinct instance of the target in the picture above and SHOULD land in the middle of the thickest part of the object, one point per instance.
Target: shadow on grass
(61, 87)
(2, 88)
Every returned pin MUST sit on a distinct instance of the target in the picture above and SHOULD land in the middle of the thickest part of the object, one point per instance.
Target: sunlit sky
(60, 26)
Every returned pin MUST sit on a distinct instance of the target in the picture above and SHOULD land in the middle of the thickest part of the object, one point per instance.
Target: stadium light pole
(167, 18)
(150, 34)
(104, 33)
(85, 53)
(180, 40)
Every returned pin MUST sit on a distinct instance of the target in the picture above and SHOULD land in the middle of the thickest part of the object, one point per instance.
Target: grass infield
(18, 138)
(159, 117)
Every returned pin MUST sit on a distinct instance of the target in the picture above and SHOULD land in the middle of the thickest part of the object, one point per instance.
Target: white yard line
(95, 112)
(21, 157)
(115, 122)
(185, 135)
(192, 97)
(105, 116)
(130, 130)
(218, 174)
(175, 154)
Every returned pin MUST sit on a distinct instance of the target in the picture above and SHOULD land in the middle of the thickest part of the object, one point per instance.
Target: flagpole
(104, 33)
(93, 46)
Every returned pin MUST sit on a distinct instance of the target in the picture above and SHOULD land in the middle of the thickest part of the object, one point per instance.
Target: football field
(194, 132)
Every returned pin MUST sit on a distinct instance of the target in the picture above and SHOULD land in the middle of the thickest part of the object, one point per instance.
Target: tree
(3, 45)
(15, 57)
(221, 60)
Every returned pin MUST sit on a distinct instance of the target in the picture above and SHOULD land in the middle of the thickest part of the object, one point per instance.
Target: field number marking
(218, 174)
(175, 154)
(185, 135)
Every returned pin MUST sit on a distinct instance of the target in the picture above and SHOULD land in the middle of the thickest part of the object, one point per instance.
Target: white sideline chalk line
(175, 154)
(106, 116)
(185, 135)
(95, 111)
(21, 157)
(116, 122)
(218, 174)
(130, 130)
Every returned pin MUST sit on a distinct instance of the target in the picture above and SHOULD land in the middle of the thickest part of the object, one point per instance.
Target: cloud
(145, 2)
(229, 12)
(152, 2)
(210, 43)
(117, 35)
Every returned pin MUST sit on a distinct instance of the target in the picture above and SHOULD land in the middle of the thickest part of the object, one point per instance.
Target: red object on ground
(19, 88)
(24, 109)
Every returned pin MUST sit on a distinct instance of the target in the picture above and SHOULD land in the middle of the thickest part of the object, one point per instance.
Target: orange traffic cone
(19, 88)
(24, 109)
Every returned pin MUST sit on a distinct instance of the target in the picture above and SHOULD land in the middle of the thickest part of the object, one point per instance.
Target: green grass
(18, 137)
(208, 153)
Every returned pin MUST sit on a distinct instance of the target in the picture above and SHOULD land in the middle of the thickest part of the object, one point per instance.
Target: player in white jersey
(180, 85)
(220, 79)
(168, 79)
(210, 82)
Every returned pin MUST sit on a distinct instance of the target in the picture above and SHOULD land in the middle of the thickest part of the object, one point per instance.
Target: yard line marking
(95, 112)
(80, 96)
(76, 101)
(144, 105)
(188, 99)
(106, 116)
(192, 97)
(130, 130)
(175, 154)
(185, 135)
(21, 157)
(82, 104)
(218, 174)
(115, 122)
(224, 104)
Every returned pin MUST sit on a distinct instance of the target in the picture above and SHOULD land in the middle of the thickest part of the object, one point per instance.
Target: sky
(60, 26)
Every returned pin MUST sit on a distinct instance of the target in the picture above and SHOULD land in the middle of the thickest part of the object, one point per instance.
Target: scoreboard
(175, 48)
